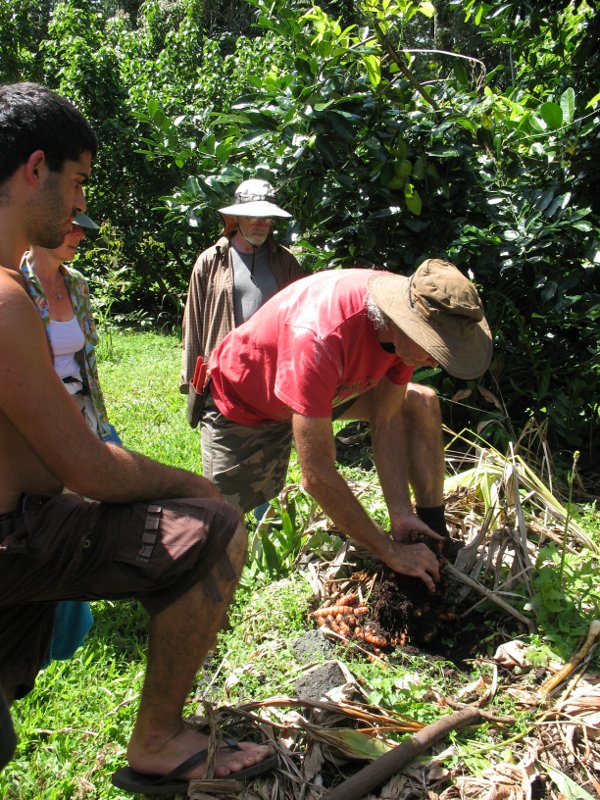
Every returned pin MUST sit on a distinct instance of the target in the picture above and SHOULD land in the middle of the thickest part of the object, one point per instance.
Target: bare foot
(185, 744)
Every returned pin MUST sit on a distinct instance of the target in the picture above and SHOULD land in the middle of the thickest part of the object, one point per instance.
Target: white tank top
(66, 339)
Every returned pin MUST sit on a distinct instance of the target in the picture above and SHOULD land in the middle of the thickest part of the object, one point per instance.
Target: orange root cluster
(347, 617)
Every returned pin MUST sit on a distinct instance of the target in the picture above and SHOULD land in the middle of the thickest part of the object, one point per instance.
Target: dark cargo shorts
(65, 548)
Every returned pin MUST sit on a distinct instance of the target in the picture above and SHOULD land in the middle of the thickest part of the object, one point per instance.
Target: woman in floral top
(61, 296)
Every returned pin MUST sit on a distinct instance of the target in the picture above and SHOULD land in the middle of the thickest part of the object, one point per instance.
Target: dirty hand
(417, 560)
(409, 528)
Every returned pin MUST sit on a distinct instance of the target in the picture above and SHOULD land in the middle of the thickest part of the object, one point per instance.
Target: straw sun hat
(440, 310)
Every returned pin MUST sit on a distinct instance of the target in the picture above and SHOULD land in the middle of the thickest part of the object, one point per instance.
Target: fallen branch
(460, 576)
(383, 768)
(575, 660)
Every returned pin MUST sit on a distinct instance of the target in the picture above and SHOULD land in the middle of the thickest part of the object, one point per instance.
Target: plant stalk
(384, 767)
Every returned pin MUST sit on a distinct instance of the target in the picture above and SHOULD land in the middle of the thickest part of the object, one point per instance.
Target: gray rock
(318, 681)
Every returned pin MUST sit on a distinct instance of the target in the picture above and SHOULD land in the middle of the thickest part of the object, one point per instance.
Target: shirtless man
(180, 558)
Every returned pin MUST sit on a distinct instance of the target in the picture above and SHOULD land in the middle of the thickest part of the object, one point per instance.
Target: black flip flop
(8, 739)
(138, 783)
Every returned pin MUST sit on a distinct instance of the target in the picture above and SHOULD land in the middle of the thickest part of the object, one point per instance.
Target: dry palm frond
(507, 483)
(493, 596)
(583, 706)
(319, 739)
(519, 513)
(359, 712)
(207, 789)
(501, 782)
(349, 742)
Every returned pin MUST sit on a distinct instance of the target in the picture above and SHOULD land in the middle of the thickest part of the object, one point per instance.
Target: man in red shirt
(343, 345)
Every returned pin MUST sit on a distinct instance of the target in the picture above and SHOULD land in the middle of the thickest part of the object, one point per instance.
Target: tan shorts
(248, 465)
(62, 547)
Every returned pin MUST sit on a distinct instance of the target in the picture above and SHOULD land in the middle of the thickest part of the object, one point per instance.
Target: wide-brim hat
(85, 222)
(254, 198)
(439, 309)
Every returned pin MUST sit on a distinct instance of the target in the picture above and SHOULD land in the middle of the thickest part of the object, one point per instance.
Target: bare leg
(180, 638)
(425, 453)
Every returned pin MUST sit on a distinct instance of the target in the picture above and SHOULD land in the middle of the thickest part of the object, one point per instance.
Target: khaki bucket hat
(440, 310)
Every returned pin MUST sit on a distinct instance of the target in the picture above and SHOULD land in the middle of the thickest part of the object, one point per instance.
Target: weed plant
(256, 655)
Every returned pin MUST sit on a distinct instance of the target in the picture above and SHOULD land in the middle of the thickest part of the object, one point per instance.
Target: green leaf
(270, 556)
(568, 788)
(420, 169)
(594, 101)
(445, 152)
(538, 123)
(549, 290)
(427, 9)
(552, 115)
(160, 120)
(381, 213)
(222, 151)
(567, 104)
(355, 744)
(413, 201)
(460, 73)
(287, 526)
(328, 152)
(373, 65)
(341, 126)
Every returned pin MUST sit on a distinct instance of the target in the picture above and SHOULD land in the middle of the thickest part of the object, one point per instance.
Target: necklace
(58, 288)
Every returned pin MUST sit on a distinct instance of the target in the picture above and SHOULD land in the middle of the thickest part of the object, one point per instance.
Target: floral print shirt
(86, 358)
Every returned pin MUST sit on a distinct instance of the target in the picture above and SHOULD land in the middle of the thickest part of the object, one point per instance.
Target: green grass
(139, 374)
(74, 726)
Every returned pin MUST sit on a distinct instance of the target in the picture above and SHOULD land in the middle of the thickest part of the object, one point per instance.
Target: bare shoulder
(11, 286)
(21, 326)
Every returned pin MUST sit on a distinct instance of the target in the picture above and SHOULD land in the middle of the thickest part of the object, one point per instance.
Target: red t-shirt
(309, 348)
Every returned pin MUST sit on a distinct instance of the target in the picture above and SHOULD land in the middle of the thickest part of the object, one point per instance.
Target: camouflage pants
(248, 465)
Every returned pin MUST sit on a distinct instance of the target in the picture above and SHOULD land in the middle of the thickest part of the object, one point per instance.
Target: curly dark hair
(34, 118)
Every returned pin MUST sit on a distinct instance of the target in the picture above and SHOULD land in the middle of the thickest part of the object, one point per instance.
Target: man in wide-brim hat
(233, 277)
(343, 344)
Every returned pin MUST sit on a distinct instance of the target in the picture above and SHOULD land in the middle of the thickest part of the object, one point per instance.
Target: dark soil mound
(418, 621)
